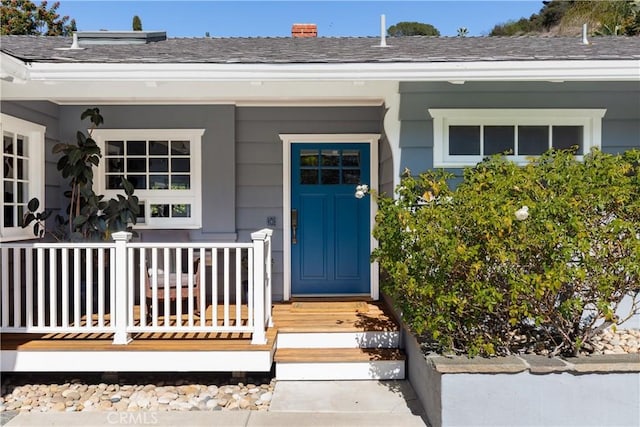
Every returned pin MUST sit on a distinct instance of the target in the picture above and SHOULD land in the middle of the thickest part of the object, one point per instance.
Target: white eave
(539, 70)
(286, 84)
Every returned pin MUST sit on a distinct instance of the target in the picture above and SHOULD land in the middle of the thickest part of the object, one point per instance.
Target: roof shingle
(417, 49)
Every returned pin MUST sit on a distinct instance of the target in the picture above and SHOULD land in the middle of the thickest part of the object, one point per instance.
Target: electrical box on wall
(271, 221)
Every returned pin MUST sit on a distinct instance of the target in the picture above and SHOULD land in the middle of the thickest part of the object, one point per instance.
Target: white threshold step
(340, 364)
(368, 339)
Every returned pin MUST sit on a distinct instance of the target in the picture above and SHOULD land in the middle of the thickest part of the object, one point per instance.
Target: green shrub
(516, 258)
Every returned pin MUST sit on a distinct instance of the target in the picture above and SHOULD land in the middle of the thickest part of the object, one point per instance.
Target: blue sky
(274, 18)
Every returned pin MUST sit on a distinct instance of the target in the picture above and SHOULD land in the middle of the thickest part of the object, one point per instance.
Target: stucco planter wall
(529, 390)
(526, 391)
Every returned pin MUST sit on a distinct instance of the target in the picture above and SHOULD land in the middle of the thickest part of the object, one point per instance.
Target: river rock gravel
(620, 341)
(133, 392)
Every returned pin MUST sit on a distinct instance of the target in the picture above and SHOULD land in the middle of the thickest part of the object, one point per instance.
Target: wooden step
(339, 339)
(353, 316)
(288, 355)
(339, 364)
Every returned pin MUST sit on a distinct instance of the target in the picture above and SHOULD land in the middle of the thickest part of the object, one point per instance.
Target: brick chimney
(304, 30)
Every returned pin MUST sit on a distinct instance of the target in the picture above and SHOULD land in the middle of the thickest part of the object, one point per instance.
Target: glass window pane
(330, 176)
(566, 137)
(7, 143)
(464, 140)
(498, 140)
(115, 164)
(23, 172)
(181, 211)
(138, 181)
(8, 166)
(136, 165)
(159, 148)
(180, 165)
(115, 148)
(180, 148)
(309, 176)
(160, 211)
(330, 158)
(8, 191)
(136, 148)
(23, 192)
(533, 140)
(8, 216)
(309, 157)
(158, 164)
(114, 182)
(22, 142)
(351, 176)
(180, 182)
(351, 158)
(18, 219)
(141, 214)
(158, 182)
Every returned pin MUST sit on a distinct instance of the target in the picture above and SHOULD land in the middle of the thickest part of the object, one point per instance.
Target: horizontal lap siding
(259, 161)
(620, 125)
(218, 152)
(46, 114)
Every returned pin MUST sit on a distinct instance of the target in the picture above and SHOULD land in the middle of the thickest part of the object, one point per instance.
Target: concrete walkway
(295, 403)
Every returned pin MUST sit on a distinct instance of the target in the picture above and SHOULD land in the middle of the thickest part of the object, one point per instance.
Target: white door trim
(289, 139)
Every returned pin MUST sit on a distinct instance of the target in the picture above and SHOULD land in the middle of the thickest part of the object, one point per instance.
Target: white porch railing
(128, 287)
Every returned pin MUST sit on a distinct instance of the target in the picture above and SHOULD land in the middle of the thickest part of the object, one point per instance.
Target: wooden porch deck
(297, 316)
(144, 341)
(309, 315)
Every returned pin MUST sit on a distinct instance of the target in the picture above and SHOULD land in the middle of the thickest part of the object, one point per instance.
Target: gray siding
(241, 155)
(46, 114)
(259, 160)
(218, 151)
(620, 125)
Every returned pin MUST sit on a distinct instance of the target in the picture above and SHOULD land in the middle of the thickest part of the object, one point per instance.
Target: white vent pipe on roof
(383, 31)
(585, 40)
(74, 43)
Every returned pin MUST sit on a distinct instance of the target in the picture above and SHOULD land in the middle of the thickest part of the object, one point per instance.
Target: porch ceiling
(249, 92)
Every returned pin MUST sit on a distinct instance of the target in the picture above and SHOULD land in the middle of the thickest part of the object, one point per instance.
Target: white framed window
(164, 166)
(463, 137)
(22, 174)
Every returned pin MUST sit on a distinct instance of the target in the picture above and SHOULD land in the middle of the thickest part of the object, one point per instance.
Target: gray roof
(325, 50)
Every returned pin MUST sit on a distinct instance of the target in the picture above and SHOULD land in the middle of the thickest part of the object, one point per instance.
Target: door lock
(294, 226)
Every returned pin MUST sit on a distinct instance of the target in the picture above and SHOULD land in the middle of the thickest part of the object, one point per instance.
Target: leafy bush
(516, 258)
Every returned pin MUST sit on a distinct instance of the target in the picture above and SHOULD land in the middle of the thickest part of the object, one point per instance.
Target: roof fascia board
(13, 68)
(598, 70)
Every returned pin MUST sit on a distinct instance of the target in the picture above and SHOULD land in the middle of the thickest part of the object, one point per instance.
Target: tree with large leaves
(24, 17)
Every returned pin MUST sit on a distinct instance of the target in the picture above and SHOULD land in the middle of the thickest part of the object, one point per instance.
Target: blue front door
(330, 245)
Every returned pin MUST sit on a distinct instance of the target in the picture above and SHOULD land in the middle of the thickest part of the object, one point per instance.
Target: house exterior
(223, 137)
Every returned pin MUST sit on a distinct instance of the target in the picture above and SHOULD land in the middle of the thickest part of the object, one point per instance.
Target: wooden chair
(172, 275)
(173, 287)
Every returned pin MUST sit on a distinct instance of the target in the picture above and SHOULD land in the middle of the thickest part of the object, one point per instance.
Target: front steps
(339, 364)
(337, 341)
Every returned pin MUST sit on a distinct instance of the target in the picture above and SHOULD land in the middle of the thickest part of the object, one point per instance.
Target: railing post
(259, 335)
(268, 272)
(121, 336)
